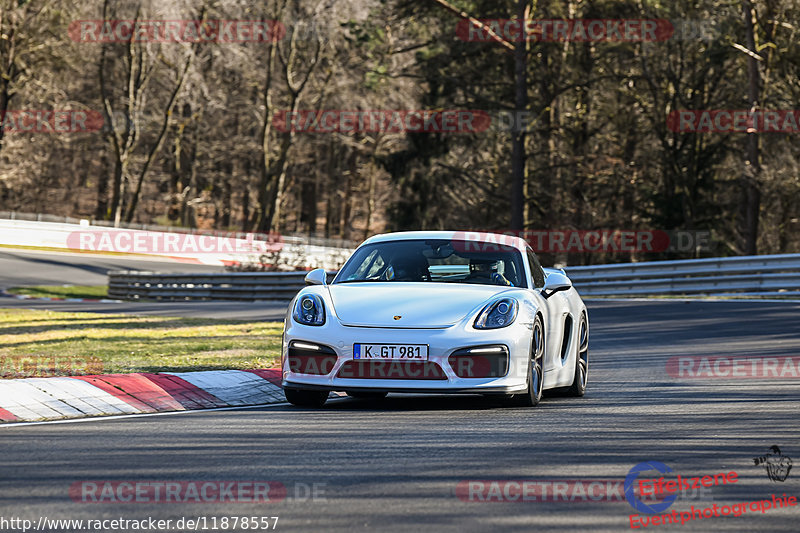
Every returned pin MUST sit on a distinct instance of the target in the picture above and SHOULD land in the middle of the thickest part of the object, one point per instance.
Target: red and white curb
(34, 399)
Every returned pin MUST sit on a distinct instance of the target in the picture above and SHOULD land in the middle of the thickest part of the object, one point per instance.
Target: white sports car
(436, 312)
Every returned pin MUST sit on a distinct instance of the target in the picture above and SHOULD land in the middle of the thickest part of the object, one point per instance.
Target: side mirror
(554, 283)
(318, 276)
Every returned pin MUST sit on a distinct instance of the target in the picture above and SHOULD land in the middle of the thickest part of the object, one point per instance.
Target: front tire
(578, 387)
(533, 395)
(306, 398)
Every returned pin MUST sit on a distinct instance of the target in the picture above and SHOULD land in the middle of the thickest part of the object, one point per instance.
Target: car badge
(397, 317)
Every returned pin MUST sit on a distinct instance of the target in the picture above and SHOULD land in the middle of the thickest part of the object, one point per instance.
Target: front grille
(391, 370)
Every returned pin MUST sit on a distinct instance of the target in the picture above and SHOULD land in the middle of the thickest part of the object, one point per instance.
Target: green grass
(45, 343)
(62, 291)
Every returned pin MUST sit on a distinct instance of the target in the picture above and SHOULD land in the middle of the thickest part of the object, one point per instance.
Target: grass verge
(62, 291)
(48, 343)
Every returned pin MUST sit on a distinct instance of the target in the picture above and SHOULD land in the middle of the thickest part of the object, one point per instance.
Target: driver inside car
(486, 271)
(407, 268)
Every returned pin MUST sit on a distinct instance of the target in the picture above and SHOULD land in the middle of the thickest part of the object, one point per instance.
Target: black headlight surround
(309, 310)
(491, 313)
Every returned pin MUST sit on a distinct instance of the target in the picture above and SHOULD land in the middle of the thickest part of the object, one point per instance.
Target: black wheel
(578, 387)
(306, 398)
(366, 395)
(533, 395)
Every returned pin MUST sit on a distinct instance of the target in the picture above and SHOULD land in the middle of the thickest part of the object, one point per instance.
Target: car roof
(477, 236)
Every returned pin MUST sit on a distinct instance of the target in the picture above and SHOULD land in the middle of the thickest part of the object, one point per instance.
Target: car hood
(419, 305)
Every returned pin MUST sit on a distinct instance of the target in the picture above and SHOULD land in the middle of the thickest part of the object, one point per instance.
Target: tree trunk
(518, 134)
(156, 147)
(5, 99)
(118, 190)
(246, 226)
(265, 189)
(227, 193)
(373, 177)
(8, 75)
(308, 205)
(279, 190)
(101, 211)
(751, 193)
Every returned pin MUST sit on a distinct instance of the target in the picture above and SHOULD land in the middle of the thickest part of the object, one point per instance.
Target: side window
(536, 270)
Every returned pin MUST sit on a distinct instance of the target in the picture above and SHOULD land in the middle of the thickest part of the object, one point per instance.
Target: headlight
(309, 310)
(497, 314)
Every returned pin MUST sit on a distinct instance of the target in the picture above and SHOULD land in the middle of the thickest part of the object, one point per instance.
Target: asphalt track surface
(33, 267)
(394, 465)
(28, 267)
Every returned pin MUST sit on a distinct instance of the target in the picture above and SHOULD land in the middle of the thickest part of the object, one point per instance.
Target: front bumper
(441, 344)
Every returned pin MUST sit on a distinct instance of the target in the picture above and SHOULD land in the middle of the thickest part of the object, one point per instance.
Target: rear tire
(306, 398)
(578, 387)
(533, 395)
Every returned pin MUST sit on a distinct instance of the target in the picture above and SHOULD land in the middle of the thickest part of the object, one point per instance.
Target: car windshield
(435, 260)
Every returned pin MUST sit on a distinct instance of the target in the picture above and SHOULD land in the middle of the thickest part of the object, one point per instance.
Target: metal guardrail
(757, 275)
(764, 275)
(135, 285)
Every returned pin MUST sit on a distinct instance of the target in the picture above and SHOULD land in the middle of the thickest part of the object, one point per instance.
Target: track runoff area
(456, 464)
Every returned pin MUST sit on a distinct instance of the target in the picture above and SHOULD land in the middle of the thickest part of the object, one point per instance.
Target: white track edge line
(7, 425)
(134, 415)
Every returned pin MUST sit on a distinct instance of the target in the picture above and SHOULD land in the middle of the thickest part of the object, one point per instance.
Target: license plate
(385, 352)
